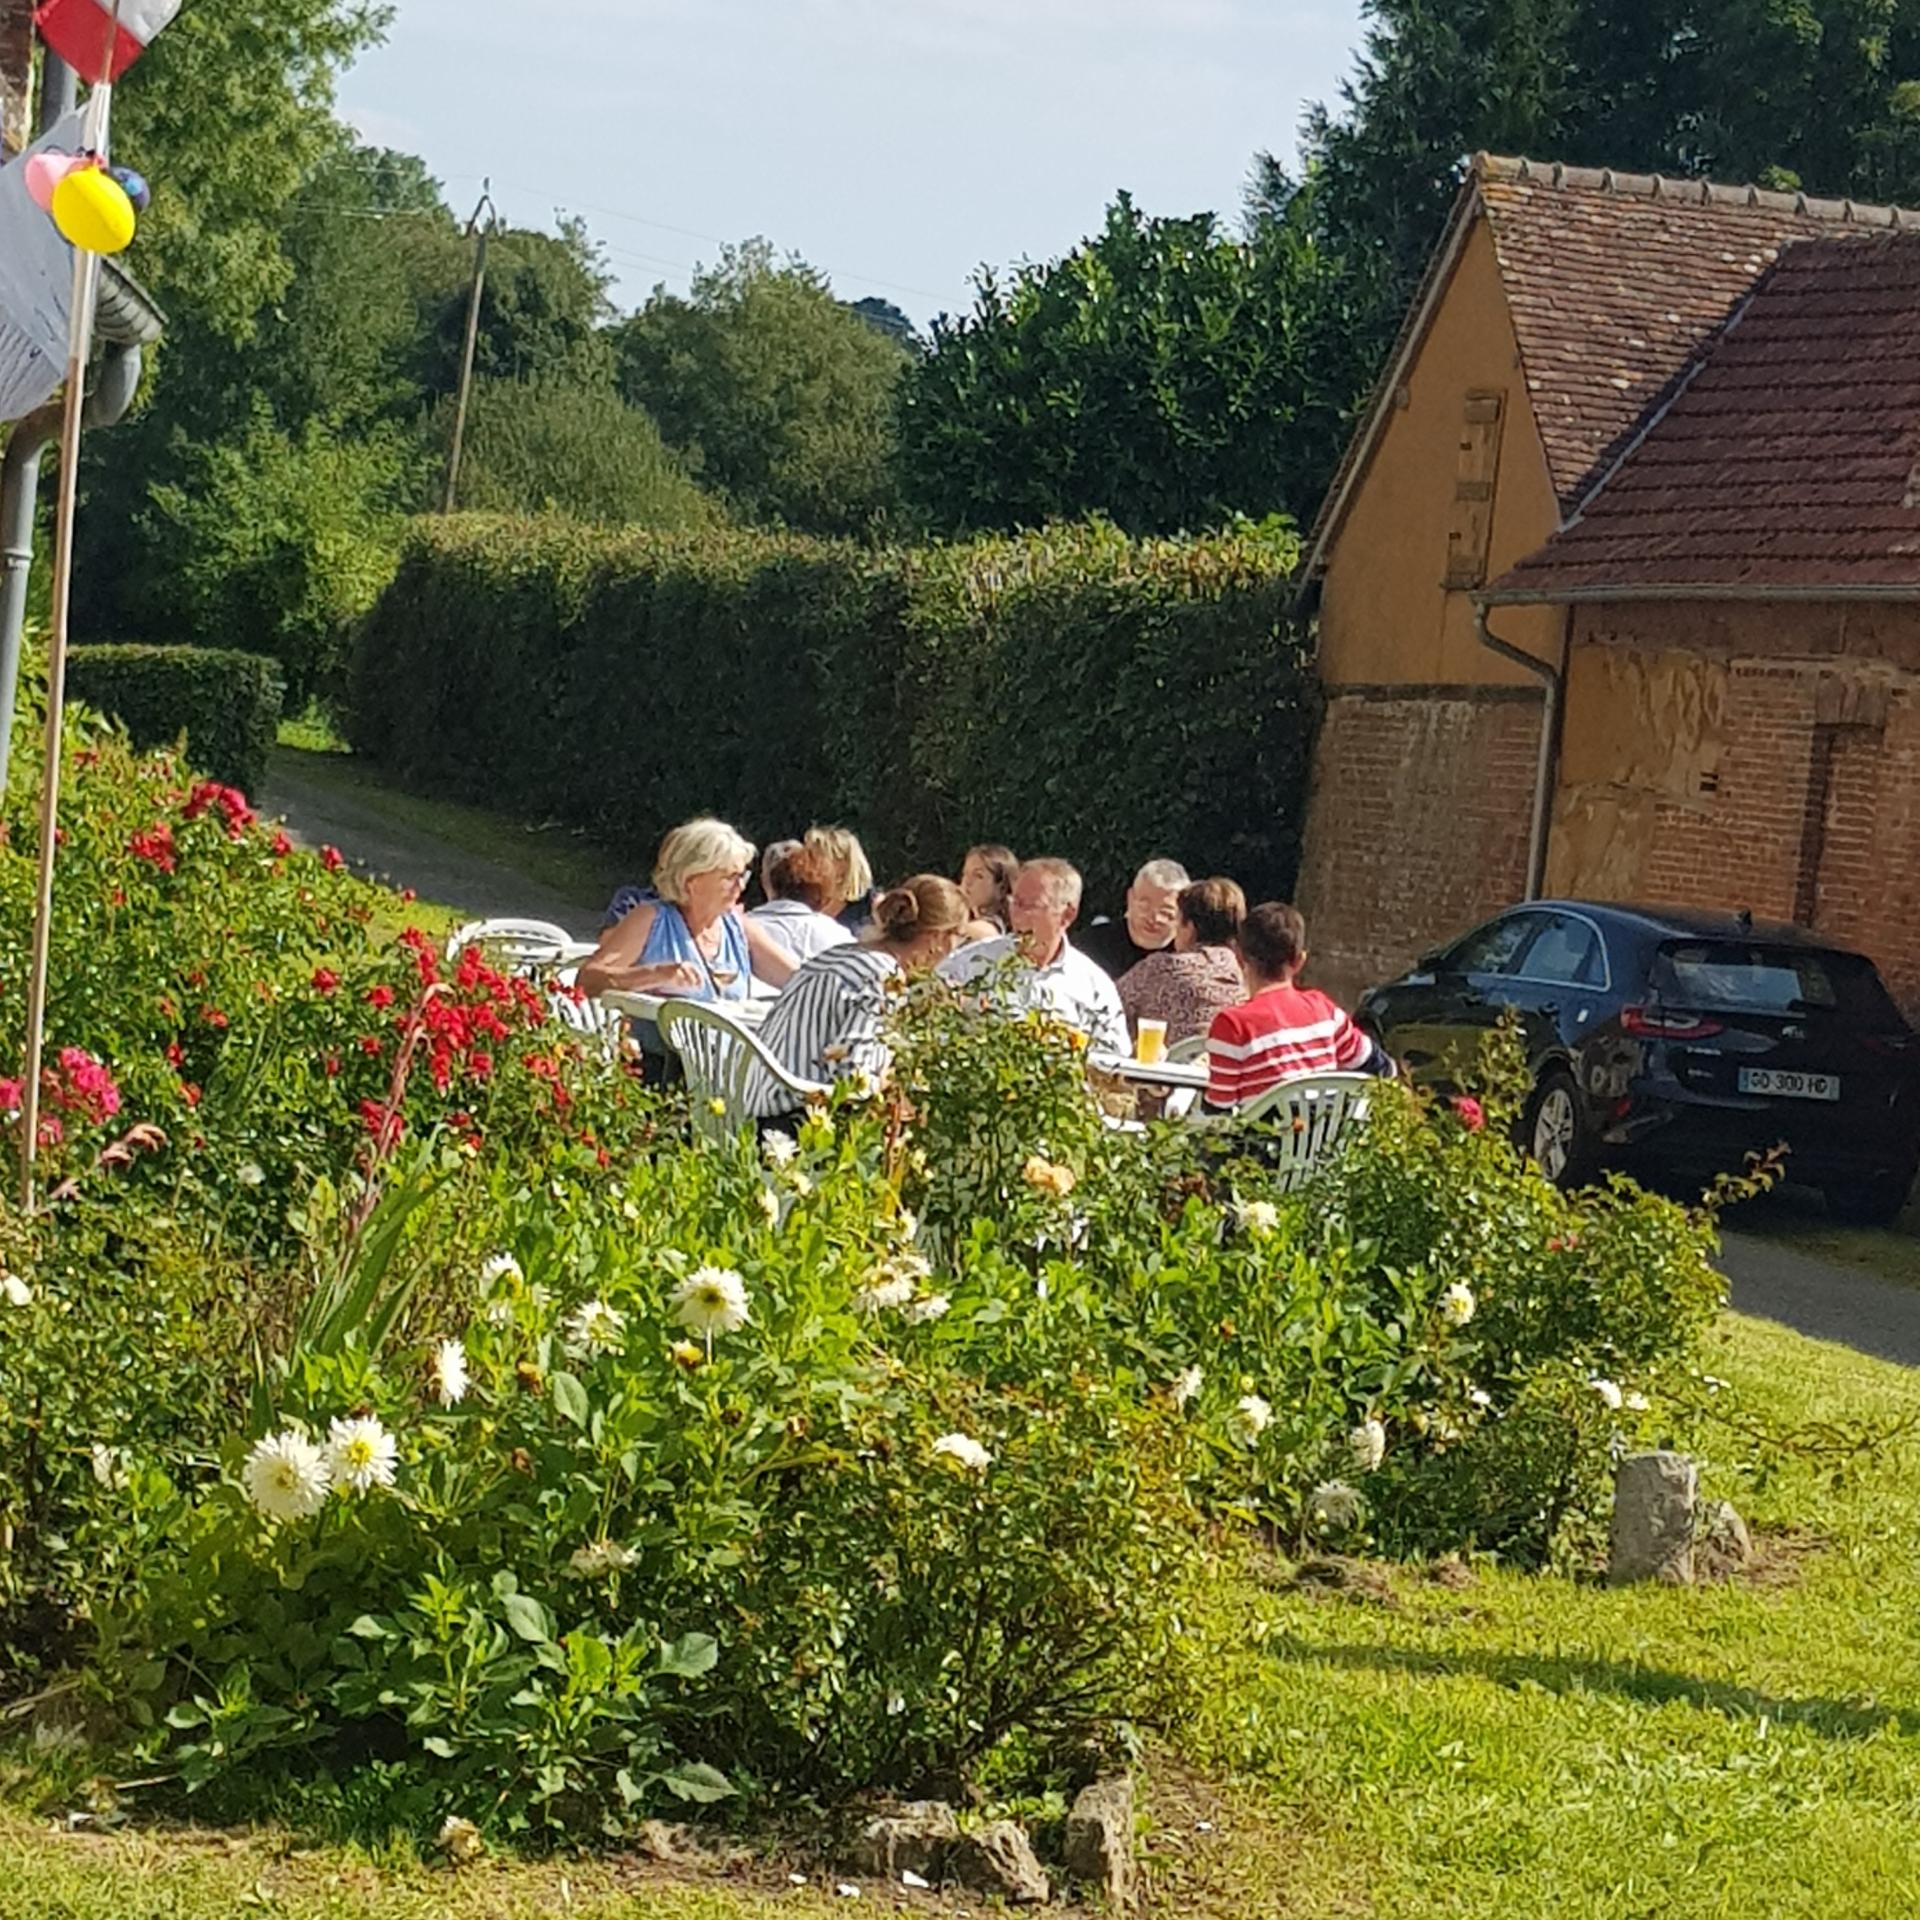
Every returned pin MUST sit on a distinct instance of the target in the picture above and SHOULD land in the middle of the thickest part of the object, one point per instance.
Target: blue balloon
(134, 186)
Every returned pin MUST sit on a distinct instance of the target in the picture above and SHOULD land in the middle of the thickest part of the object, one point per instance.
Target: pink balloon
(45, 171)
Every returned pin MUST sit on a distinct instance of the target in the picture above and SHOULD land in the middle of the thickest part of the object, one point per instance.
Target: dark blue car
(1673, 1043)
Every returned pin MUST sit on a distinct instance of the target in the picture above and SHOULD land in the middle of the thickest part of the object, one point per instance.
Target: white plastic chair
(584, 1016)
(719, 1053)
(1309, 1116)
(1181, 1101)
(518, 945)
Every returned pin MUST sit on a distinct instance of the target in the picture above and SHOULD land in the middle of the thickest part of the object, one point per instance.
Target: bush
(1070, 691)
(227, 704)
(554, 448)
(279, 544)
(233, 1060)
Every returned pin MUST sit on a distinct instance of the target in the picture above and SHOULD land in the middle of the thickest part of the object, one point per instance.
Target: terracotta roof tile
(1789, 461)
(1616, 281)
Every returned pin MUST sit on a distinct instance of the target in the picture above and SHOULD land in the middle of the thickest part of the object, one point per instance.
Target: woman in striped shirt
(831, 1019)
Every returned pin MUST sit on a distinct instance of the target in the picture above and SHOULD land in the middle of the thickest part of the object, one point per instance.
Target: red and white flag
(84, 32)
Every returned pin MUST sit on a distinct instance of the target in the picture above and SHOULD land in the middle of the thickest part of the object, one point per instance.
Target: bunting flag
(82, 32)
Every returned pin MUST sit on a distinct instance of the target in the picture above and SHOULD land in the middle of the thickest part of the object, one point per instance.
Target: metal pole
(86, 287)
(472, 340)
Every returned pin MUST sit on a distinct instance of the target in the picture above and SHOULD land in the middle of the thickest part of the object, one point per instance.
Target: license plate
(1788, 1085)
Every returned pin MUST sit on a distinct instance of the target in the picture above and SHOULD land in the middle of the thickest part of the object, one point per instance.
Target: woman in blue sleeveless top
(693, 942)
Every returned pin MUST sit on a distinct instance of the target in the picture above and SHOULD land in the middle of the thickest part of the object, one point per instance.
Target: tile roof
(1786, 463)
(1616, 282)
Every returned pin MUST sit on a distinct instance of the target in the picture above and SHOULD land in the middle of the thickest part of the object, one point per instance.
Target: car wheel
(1877, 1201)
(1555, 1131)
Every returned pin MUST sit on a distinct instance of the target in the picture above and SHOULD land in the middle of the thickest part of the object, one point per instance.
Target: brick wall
(1801, 802)
(1416, 823)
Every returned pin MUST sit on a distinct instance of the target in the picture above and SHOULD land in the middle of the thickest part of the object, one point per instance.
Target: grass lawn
(1492, 1745)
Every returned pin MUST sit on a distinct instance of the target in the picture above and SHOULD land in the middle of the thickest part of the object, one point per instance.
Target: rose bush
(232, 1051)
(419, 1392)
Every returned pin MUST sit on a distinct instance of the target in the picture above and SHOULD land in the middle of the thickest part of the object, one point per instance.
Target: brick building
(1619, 583)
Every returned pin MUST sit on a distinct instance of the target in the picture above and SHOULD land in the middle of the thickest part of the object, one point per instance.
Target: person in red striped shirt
(1280, 1032)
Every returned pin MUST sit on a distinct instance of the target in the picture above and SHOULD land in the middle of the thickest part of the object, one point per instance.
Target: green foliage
(1163, 374)
(230, 116)
(227, 704)
(779, 397)
(886, 1452)
(234, 1059)
(548, 447)
(278, 543)
(626, 683)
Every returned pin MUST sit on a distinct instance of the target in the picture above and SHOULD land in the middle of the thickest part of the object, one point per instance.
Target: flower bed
(432, 1400)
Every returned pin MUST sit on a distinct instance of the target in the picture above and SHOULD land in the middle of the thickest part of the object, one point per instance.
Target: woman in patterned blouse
(1188, 983)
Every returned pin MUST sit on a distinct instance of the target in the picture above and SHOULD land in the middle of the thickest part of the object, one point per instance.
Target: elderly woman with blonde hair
(849, 876)
(693, 942)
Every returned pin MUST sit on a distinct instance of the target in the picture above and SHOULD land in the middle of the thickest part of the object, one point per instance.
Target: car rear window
(1737, 977)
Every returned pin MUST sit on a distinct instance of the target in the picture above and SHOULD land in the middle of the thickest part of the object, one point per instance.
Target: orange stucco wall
(1386, 617)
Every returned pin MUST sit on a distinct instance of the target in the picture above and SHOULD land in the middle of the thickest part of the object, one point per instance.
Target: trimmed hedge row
(1069, 691)
(227, 703)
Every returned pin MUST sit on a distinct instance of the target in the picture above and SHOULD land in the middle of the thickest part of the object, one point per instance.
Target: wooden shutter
(1470, 527)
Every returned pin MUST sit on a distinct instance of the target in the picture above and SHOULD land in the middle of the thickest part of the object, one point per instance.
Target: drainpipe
(114, 385)
(1553, 682)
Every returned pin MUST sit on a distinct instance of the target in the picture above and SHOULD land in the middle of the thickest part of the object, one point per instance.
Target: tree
(229, 115)
(775, 393)
(548, 447)
(884, 317)
(277, 542)
(543, 311)
(1163, 374)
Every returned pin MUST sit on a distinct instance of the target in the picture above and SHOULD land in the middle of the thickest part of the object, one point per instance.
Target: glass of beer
(1150, 1042)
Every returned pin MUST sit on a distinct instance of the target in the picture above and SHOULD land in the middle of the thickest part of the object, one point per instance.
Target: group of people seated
(1187, 957)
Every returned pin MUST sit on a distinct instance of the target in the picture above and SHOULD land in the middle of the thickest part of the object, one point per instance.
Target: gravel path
(326, 807)
(1828, 1302)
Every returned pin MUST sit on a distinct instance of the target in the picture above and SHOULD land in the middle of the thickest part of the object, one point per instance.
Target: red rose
(325, 980)
(370, 1045)
(282, 846)
(379, 996)
(1470, 1113)
(331, 859)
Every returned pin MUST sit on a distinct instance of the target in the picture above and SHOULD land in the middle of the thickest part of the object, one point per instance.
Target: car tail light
(1657, 1023)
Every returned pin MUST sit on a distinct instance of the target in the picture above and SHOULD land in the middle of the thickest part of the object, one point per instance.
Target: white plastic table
(1160, 1073)
(646, 1006)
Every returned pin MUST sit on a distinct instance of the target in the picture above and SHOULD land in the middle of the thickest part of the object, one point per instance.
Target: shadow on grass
(1655, 1686)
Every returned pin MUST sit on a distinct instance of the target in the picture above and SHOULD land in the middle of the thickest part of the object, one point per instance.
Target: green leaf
(527, 1617)
(690, 1656)
(695, 1780)
(569, 1398)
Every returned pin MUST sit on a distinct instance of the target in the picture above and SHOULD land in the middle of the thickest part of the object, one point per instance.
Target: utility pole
(480, 229)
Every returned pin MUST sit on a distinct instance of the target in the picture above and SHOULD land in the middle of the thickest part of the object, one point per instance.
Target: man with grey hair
(1153, 912)
(1051, 972)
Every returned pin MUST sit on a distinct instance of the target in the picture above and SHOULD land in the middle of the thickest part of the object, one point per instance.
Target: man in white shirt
(1042, 906)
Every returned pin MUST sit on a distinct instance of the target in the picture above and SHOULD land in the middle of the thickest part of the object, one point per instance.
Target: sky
(897, 147)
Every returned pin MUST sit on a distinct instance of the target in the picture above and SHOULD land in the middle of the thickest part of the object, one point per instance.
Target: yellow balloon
(92, 210)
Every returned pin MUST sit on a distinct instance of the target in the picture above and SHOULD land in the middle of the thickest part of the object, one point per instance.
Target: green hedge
(1071, 691)
(226, 703)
